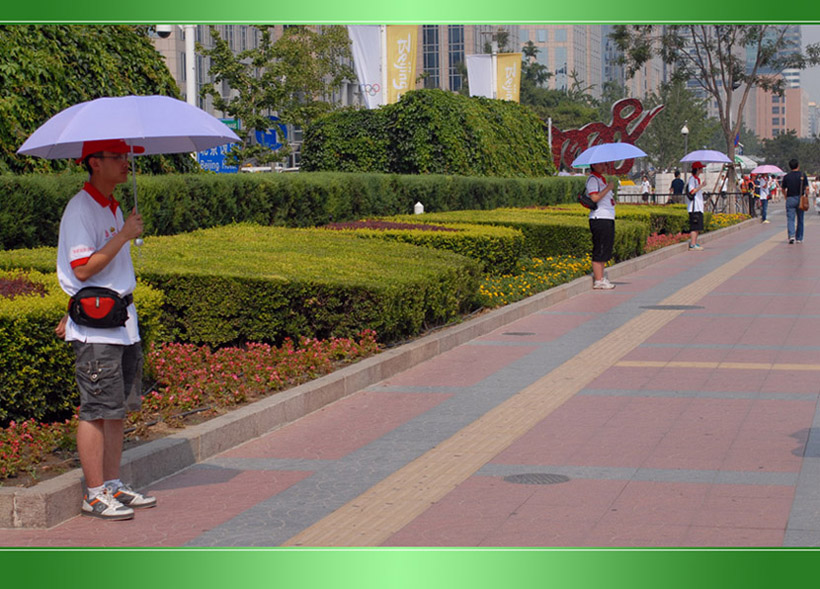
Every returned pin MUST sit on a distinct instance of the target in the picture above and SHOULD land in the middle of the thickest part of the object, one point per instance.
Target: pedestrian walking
(762, 187)
(694, 197)
(601, 223)
(795, 184)
(677, 187)
(94, 251)
(646, 188)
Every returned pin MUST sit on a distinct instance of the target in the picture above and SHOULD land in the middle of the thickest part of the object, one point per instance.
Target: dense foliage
(31, 206)
(432, 132)
(47, 68)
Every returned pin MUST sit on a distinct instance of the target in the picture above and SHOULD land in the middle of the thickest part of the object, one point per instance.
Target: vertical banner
(367, 59)
(508, 76)
(402, 41)
(480, 74)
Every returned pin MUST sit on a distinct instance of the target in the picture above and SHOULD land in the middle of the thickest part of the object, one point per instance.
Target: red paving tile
(545, 327)
(464, 366)
(341, 428)
(187, 504)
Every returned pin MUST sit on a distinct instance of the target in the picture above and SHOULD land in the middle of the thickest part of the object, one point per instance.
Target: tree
(780, 149)
(47, 68)
(292, 77)
(719, 59)
(662, 140)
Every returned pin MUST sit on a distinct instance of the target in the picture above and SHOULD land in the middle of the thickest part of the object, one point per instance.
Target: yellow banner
(508, 76)
(401, 60)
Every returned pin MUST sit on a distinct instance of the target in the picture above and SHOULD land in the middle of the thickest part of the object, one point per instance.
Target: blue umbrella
(607, 152)
(706, 155)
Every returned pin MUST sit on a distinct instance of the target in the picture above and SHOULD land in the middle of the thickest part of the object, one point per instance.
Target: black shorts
(603, 238)
(695, 221)
(109, 378)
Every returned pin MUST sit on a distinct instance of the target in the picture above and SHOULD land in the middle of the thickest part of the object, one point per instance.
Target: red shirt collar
(102, 200)
(597, 175)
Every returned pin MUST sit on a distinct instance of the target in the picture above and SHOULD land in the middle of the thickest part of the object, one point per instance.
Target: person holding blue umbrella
(601, 222)
(694, 204)
(599, 158)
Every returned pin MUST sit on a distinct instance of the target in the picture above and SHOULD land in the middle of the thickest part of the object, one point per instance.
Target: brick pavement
(679, 409)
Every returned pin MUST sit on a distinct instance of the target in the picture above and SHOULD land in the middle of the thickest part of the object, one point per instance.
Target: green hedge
(661, 219)
(547, 233)
(37, 368)
(31, 206)
(432, 132)
(250, 283)
(497, 248)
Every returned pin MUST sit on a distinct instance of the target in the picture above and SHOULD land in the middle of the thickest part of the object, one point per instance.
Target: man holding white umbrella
(94, 250)
(94, 253)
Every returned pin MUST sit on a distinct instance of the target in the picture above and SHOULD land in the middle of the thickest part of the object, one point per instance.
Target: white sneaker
(603, 285)
(104, 506)
(131, 498)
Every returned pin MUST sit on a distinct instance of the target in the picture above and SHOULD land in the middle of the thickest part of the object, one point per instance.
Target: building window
(430, 56)
(542, 35)
(456, 54)
(775, 121)
(560, 35)
(775, 110)
(525, 36)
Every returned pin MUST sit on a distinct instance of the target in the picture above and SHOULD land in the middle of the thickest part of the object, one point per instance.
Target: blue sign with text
(214, 160)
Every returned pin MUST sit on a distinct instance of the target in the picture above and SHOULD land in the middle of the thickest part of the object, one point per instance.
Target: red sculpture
(628, 123)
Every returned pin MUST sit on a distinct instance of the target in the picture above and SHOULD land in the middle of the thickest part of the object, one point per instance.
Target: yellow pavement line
(714, 365)
(384, 509)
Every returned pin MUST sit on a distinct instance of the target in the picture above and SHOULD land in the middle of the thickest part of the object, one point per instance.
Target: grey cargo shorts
(109, 377)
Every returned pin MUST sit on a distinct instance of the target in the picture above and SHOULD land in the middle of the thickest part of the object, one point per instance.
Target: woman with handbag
(795, 186)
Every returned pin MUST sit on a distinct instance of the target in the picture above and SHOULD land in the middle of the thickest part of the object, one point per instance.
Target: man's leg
(799, 232)
(112, 456)
(91, 448)
(791, 213)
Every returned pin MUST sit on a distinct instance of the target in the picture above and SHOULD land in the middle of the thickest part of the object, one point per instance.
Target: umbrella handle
(138, 241)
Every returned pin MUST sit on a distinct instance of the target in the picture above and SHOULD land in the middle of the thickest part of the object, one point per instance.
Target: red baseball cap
(697, 166)
(112, 145)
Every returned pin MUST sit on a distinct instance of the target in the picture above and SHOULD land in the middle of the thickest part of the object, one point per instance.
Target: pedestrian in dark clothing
(677, 187)
(794, 184)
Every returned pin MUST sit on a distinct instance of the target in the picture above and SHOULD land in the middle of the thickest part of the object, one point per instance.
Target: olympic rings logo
(370, 89)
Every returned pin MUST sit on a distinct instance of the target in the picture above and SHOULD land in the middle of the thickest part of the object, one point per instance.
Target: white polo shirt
(91, 219)
(606, 206)
(695, 205)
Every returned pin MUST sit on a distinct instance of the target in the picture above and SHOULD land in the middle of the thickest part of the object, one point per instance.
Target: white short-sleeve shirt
(89, 221)
(695, 205)
(606, 206)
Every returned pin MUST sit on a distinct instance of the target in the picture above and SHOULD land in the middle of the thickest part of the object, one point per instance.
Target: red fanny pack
(95, 306)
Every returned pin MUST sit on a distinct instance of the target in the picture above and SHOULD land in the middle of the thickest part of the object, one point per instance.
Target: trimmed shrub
(498, 248)
(549, 234)
(432, 132)
(36, 368)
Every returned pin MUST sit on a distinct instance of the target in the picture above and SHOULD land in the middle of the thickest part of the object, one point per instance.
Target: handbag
(804, 199)
(95, 306)
(586, 201)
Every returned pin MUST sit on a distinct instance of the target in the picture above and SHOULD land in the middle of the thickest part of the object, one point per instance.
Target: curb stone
(53, 501)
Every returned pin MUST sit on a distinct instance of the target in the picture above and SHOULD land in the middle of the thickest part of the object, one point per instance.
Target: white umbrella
(160, 124)
(706, 155)
(607, 152)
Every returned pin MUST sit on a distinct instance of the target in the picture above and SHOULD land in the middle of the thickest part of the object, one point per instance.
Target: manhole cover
(536, 478)
(672, 307)
(518, 333)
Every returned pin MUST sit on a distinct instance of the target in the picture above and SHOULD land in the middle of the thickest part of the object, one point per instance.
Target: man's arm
(131, 229)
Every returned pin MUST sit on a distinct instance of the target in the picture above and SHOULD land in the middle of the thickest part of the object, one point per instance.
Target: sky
(810, 77)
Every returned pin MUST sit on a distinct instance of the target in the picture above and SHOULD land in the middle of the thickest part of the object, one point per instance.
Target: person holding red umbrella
(94, 251)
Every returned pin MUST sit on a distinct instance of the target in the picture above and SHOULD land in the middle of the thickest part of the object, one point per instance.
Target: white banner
(367, 59)
(480, 75)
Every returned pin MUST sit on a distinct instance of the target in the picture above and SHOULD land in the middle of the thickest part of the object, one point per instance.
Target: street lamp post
(685, 132)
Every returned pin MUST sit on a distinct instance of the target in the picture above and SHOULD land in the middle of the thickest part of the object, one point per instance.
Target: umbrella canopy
(746, 164)
(607, 152)
(767, 169)
(160, 124)
(706, 155)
